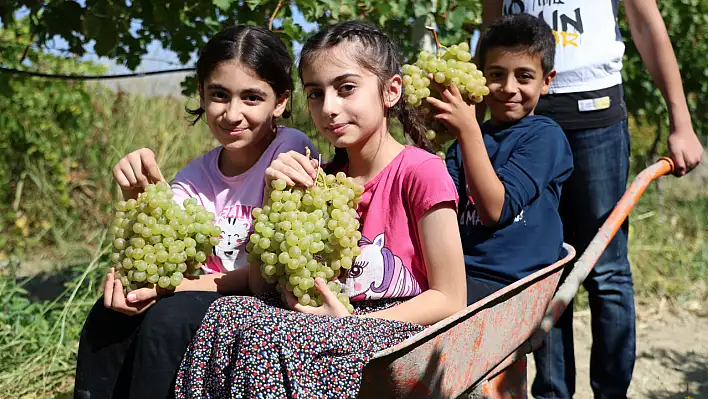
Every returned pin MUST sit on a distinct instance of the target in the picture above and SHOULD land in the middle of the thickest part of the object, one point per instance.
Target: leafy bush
(46, 127)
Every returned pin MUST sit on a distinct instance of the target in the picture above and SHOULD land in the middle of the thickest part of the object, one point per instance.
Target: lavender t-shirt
(231, 198)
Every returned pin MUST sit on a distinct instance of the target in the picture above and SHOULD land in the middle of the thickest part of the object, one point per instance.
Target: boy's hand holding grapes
(451, 67)
(452, 110)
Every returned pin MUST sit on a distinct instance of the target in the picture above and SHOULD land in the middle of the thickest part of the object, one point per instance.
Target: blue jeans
(601, 158)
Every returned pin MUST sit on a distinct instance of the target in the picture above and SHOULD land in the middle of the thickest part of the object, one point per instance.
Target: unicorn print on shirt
(378, 273)
(230, 253)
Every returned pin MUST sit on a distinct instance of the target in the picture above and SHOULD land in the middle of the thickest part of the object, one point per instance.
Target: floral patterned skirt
(251, 347)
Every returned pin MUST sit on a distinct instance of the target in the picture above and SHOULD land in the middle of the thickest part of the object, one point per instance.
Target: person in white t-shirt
(587, 100)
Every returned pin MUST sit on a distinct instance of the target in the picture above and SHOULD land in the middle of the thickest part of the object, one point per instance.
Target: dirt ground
(672, 353)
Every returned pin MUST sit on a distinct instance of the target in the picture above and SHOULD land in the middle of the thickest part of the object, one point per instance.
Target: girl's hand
(137, 302)
(135, 171)
(294, 168)
(453, 111)
(330, 304)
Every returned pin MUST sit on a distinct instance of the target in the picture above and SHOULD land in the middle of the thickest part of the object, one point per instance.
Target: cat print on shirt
(230, 253)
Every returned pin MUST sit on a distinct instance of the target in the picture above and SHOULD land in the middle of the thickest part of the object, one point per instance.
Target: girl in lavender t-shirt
(231, 198)
(131, 347)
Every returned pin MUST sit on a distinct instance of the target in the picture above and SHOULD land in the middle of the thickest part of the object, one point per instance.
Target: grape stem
(272, 17)
(320, 171)
(438, 46)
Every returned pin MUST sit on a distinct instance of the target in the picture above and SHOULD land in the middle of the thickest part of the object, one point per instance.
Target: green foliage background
(687, 24)
(48, 132)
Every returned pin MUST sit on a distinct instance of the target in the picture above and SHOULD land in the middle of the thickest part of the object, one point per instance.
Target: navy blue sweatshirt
(532, 159)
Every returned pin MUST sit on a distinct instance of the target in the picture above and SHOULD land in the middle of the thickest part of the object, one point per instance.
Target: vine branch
(272, 17)
(31, 38)
(435, 36)
(24, 53)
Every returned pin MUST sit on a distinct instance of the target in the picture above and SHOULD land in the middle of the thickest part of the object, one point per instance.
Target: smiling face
(239, 106)
(516, 81)
(344, 99)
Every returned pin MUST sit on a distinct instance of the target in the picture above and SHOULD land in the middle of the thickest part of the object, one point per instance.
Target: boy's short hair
(523, 31)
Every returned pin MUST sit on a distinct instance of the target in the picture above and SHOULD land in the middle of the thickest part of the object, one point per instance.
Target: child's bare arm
(652, 40)
(232, 282)
(483, 184)
(445, 266)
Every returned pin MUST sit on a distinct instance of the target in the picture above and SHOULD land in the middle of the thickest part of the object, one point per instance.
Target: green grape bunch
(449, 66)
(304, 233)
(158, 242)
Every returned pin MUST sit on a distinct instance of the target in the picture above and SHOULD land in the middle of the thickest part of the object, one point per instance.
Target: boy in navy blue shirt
(510, 170)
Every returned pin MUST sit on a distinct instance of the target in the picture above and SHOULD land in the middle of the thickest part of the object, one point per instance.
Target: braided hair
(378, 55)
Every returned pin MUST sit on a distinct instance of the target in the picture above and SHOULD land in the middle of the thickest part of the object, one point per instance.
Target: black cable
(95, 77)
(68, 52)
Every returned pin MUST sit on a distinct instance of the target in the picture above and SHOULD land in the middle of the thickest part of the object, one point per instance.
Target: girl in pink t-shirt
(132, 347)
(409, 274)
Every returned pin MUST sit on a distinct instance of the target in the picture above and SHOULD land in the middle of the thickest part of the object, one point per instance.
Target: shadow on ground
(50, 284)
(693, 366)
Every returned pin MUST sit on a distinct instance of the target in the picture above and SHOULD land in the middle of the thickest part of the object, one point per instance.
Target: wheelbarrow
(481, 350)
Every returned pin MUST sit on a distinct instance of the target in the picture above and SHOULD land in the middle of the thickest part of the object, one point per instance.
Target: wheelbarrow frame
(482, 349)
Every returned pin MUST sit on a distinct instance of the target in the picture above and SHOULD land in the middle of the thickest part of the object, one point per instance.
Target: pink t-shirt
(391, 262)
(231, 198)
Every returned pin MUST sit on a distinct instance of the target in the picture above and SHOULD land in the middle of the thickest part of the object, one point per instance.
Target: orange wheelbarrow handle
(569, 288)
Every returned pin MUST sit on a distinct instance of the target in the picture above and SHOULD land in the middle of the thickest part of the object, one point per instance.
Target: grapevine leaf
(106, 40)
(293, 30)
(421, 8)
(253, 4)
(455, 18)
(223, 5)
(442, 6)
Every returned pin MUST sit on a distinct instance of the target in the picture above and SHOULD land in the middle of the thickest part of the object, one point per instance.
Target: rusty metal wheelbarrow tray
(489, 340)
(452, 355)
